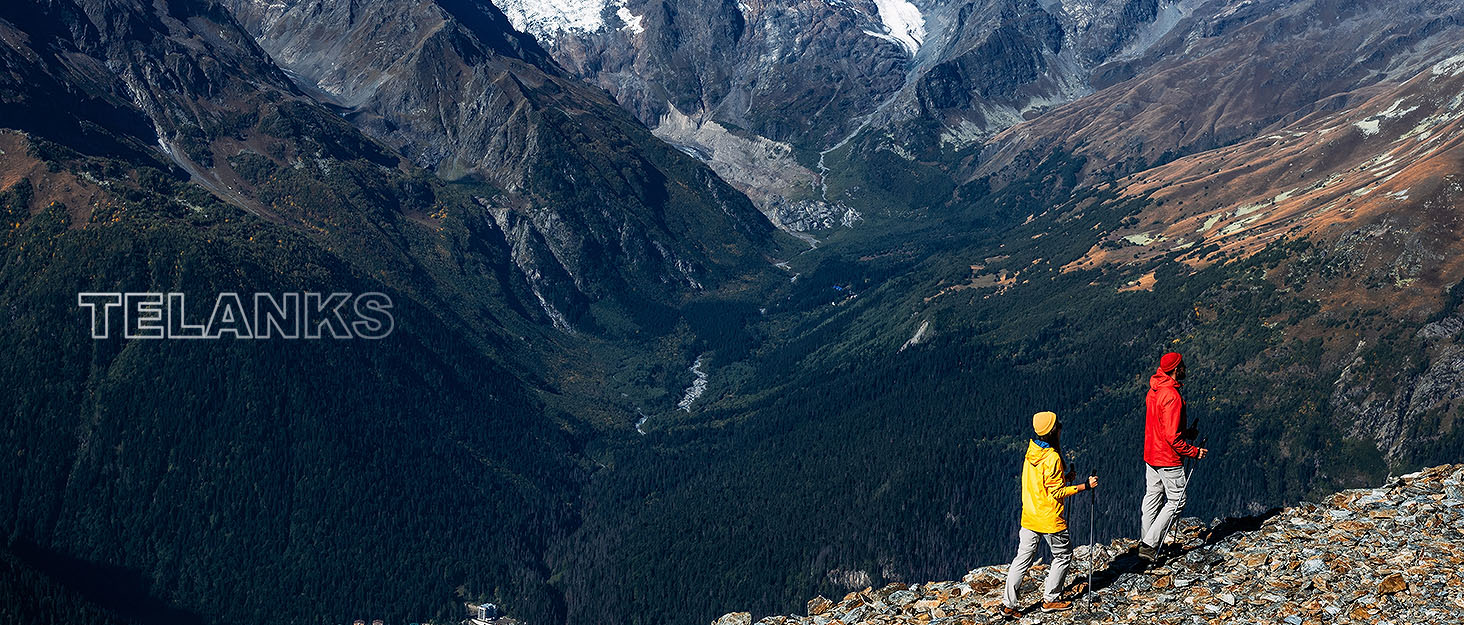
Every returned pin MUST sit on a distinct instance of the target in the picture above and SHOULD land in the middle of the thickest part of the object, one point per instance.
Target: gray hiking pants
(1062, 555)
(1162, 485)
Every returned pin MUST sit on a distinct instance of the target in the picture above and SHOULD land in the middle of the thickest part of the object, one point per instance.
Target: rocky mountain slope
(1232, 72)
(1373, 179)
(1387, 554)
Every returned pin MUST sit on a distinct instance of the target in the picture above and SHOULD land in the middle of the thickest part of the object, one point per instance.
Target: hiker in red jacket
(1164, 442)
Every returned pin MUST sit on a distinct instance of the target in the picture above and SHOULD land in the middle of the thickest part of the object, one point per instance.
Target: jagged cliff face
(743, 84)
(591, 204)
(1359, 556)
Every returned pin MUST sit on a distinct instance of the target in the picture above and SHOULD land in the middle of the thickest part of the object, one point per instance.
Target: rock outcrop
(1391, 553)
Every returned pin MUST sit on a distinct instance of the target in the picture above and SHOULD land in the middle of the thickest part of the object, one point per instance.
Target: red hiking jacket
(1164, 423)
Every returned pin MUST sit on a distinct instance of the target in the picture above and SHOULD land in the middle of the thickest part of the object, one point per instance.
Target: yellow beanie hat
(1043, 422)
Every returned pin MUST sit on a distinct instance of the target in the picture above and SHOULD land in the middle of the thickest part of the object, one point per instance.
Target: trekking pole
(1189, 469)
(1092, 514)
(1169, 531)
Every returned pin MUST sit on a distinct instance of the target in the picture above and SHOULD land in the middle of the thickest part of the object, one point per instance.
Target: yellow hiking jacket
(1043, 490)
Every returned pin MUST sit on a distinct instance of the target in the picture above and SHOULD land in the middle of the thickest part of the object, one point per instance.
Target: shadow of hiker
(1235, 525)
(1130, 562)
(1126, 562)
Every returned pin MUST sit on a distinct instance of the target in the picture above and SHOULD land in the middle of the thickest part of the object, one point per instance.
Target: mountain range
(699, 304)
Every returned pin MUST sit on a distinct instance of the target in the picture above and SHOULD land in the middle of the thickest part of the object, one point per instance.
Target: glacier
(904, 21)
(547, 19)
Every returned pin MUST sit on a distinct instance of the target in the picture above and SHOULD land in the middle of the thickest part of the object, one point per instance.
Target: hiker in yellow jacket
(1043, 492)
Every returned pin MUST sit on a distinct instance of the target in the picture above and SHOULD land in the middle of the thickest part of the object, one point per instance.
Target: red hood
(1160, 380)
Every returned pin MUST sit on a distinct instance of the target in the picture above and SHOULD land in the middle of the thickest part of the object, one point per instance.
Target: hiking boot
(1056, 606)
(1010, 612)
(1149, 554)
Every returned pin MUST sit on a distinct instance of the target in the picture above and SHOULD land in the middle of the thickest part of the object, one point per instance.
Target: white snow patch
(1210, 222)
(1372, 125)
(885, 36)
(903, 22)
(1240, 225)
(1393, 112)
(1381, 163)
(1251, 208)
(1424, 129)
(1142, 238)
(1452, 66)
(1401, 196)
(1082, 12)
(631, 20)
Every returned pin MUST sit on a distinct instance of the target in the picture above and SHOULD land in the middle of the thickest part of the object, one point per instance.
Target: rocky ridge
(1386, 554)
(1232, 72)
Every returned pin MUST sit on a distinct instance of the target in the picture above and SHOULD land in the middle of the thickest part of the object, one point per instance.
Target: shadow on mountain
(1130, 562)
(1127, 562)
(116, 589)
